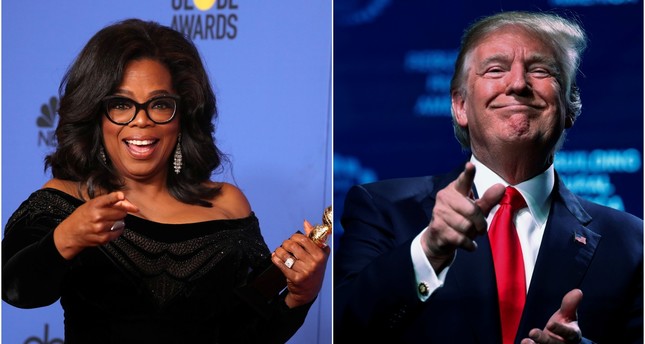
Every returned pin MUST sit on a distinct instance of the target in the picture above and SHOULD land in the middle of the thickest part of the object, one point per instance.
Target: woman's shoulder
(66, 186)
(55, 200)
(230, 200)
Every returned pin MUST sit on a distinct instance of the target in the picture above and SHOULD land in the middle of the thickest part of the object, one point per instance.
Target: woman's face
(140, 149)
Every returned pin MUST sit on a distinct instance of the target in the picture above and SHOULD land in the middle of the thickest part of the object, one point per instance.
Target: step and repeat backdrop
(270, 67)
(393, 61)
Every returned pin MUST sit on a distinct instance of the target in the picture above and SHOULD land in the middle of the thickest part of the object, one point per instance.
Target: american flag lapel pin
(579, 238)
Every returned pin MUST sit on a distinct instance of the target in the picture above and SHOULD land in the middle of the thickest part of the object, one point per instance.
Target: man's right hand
(457, 218)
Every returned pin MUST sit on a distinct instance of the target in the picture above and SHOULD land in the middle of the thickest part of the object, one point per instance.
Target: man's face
(513, 100)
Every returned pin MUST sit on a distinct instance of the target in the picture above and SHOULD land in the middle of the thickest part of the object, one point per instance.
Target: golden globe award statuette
(266, 285)
(320, 233)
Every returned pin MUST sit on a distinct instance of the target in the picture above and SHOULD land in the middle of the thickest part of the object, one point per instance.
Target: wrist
(293, 301)
(65, 245)
(289, 301)
(438, 260)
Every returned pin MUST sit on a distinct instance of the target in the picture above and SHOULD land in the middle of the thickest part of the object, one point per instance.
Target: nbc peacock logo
(206, 19)
(46, 121)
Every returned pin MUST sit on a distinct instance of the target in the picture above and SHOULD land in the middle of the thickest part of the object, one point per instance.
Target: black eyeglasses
(122, 110)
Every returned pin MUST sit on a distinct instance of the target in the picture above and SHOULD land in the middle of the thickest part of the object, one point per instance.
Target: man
(422, 259)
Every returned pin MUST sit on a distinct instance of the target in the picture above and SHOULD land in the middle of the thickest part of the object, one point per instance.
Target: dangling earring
(177, 161)
(102, 155)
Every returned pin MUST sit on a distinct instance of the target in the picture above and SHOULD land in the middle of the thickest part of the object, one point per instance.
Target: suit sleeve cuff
(427, 280)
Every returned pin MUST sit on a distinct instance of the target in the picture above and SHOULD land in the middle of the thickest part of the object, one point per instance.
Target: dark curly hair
(98, 71)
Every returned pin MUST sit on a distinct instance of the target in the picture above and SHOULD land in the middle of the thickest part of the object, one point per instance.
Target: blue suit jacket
(585, 245)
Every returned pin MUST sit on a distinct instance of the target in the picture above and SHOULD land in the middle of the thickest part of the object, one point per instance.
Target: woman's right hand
(91, 224)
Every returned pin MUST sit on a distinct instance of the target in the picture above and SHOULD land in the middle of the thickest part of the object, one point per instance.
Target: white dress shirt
(530, 223)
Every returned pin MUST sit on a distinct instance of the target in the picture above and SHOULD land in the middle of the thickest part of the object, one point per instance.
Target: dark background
(381, 131)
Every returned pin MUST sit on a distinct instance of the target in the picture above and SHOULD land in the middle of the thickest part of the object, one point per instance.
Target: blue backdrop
(270, 65)
(393, 61)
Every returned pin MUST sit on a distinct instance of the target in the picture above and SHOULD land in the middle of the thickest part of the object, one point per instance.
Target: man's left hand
(562, 327)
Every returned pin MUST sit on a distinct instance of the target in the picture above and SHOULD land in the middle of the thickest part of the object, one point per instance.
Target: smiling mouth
(140, 148)
(518, 106)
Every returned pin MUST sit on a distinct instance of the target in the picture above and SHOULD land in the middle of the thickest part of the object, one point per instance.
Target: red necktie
(509, 264)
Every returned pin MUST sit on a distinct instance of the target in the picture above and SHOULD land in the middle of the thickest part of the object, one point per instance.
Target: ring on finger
(289, 262)
(118, 225)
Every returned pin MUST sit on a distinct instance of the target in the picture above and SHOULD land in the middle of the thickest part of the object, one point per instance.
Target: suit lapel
(474, 276)
(565, 253)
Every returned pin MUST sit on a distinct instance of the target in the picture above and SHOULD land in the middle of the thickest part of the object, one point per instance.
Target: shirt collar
(536, 191)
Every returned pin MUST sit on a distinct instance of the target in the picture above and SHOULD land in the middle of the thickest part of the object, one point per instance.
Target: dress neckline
(78, 202)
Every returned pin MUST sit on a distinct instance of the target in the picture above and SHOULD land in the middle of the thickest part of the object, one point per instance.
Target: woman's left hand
(305, 276)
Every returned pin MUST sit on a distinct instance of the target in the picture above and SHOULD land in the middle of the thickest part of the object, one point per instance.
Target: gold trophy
(320, 233)
(264, 286)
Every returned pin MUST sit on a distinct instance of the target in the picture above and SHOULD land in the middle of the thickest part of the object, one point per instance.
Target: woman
(132, 236)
